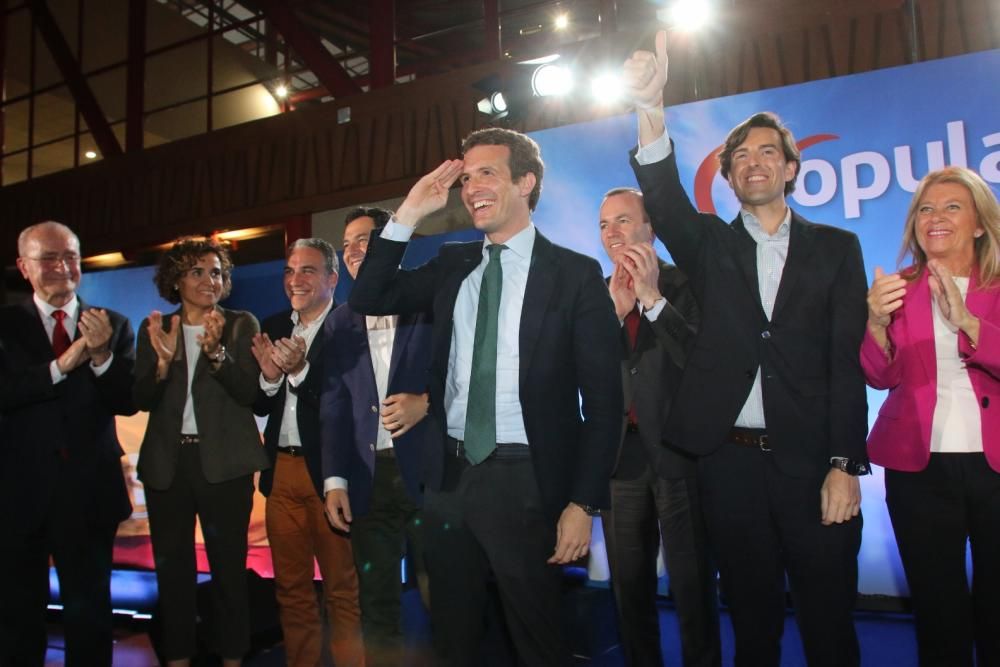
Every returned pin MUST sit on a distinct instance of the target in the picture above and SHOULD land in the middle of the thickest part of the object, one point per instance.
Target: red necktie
(60, 338)
(632, 328)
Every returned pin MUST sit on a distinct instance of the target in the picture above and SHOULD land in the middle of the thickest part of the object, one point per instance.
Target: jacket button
(765, 335)
(985, 402)
(633, 371)
(375, 409)
(371, 446)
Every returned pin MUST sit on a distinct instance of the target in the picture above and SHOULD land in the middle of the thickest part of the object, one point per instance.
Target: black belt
(291, 451)
(750, 437)
(504, 450)
(189, 439)
(387, 453)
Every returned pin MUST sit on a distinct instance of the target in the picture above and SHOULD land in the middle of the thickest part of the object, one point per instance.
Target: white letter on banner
(989, 168)
(827, 183)
(956, 144)
(853, 194)
(904, 168)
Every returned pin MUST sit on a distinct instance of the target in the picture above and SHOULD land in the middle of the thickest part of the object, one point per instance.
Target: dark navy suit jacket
(349, 407)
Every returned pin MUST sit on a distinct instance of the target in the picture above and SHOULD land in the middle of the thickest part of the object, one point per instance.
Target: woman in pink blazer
(933, 341)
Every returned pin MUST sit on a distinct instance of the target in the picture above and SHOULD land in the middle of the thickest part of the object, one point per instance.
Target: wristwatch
(850, 466)
(219, 355)
(591, 511)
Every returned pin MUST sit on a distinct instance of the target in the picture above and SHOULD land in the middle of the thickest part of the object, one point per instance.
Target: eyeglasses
(51, 259)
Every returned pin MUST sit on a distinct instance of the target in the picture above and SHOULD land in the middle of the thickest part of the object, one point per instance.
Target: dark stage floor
(887, 639)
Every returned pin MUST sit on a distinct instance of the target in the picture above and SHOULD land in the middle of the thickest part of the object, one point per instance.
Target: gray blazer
(223, 399)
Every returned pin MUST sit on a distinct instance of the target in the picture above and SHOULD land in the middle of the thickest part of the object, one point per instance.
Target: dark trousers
(935, 513)
(642, 510)
(763, 524)
(491, 523)
(82, 553)
(224, 511)
(379, 541)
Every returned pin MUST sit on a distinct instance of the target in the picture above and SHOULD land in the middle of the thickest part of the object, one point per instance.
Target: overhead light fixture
(493, 105)
(107, 260)
(606, 88)
(687, 15)
(90, 155)
(281, 91)
(549, 80)
(248, 233)
(562, 22)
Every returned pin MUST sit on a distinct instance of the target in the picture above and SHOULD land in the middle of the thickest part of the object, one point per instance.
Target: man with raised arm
(772, 399)
(518, 463)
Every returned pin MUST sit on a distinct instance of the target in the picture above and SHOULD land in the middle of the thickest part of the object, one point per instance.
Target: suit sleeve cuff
(655, 151)
(103, 368)
(657, 308)
(332, 483)
(54, 372)
(395, 231)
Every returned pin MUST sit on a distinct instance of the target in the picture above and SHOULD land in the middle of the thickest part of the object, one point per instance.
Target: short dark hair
(323, 246)
(525, 155)
(379, 215)
(739, 134)
(182, 257)
(626, 190)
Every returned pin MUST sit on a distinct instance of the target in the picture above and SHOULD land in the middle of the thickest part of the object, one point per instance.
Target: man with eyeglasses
(65, 372)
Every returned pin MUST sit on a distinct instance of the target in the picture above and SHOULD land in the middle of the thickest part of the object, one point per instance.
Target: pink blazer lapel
(920, 323)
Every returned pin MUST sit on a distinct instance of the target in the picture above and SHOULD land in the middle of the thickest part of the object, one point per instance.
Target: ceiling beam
(91, 111)
(308, 46)
(382, 28)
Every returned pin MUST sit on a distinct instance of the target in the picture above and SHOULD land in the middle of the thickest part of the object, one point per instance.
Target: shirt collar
(47, 309)
(322, 316)
(521, 244)
(753, 227)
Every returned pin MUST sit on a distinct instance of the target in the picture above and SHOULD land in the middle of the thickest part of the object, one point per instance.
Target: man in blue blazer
(373, 407)
(526, 397)
(290, 351)
(65, 372)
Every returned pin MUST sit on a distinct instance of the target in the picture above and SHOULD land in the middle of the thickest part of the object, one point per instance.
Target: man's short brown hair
(739, 134)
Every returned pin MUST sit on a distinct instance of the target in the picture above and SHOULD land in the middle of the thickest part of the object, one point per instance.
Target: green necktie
(481, 410)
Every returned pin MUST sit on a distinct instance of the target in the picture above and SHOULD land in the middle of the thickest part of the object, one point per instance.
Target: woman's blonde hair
(987, 246)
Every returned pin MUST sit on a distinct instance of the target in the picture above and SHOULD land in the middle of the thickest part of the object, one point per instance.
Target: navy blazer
(349, 407)
(306, 409)
(570, 379)
(61, 434)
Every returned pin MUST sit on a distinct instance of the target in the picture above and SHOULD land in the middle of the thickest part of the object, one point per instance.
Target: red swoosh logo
(710, 166)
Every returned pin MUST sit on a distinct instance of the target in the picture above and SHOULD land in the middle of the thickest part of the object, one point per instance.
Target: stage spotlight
(687, 15)
(562, 22)
(492, 105)
(551, 80)
(90, 155)
(281, 91)
(606, 88)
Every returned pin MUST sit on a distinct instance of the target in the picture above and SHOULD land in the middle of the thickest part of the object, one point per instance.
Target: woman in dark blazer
(933, 341)
(197, 377)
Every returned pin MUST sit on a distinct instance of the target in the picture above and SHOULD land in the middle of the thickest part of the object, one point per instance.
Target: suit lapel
(801, 247)
(920, 323)
(537, 295)
(746, 258)
(404, 330)
(36, 340)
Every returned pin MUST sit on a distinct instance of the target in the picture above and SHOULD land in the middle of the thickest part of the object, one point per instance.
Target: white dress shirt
(515, 262)
(69, 324)
(957, 427)
(288, 435)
